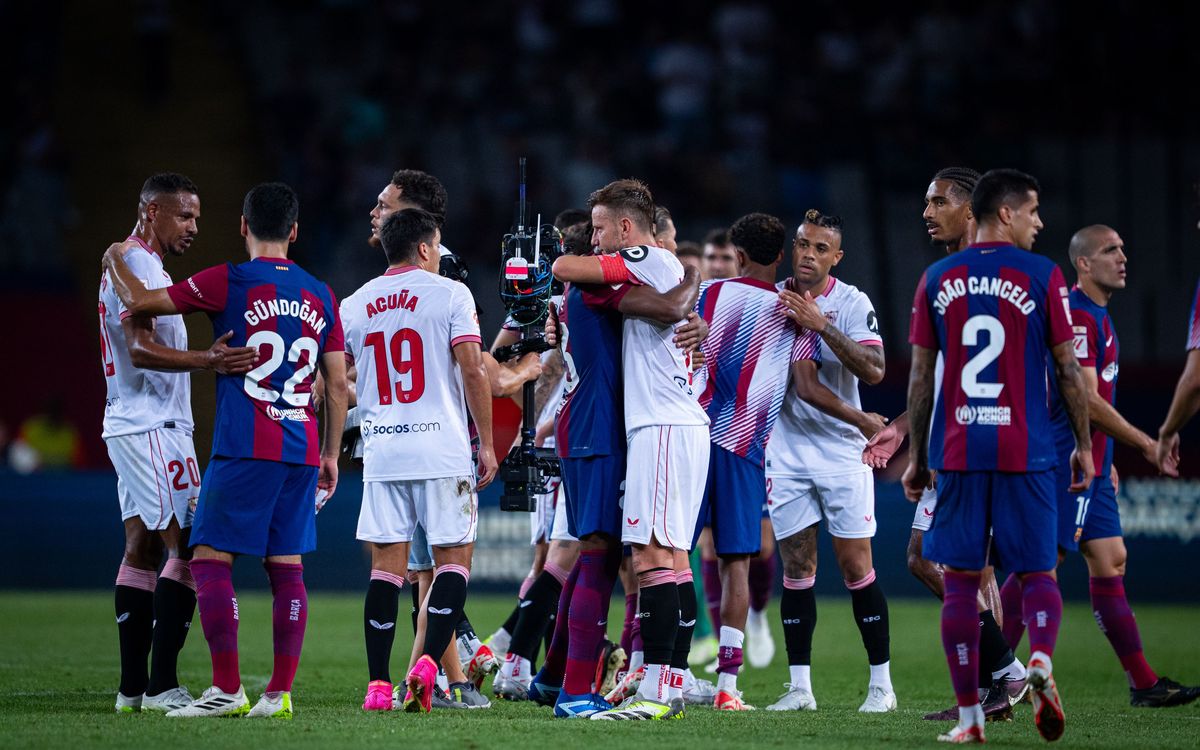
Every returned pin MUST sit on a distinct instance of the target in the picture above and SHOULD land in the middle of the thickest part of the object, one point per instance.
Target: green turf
(59, 668)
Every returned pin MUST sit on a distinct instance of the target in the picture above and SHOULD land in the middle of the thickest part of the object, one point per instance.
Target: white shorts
(541, 518)
(845, 501)
(447, 508)
(558, 526)
(923, 519)
(157, 476)
(666, 469)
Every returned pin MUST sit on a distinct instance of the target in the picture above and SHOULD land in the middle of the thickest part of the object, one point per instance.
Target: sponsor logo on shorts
(867, 519)
(370, 428)
(633, 521)
(986, 416)
(290, 415)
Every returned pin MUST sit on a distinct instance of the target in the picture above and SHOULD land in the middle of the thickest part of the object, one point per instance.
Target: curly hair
(760, 236)
(424, 190)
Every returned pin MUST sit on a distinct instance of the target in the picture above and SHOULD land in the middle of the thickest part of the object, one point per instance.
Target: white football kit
(814, 461)
(401, 329)
(666, 429)
(147, 413)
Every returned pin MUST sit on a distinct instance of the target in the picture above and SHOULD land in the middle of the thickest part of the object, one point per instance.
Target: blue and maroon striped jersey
(591, 417)
(748, 354)
(1194, 322)
(994, 311)
(292, 319)
(1096, 346)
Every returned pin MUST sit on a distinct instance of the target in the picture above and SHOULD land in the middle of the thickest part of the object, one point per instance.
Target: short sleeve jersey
(1096, 346)
(401, 329)
(276, 306)
(657, 374)
(140, 400)
(590, 419)
(807, 441)
(750, 346)
(994, 311)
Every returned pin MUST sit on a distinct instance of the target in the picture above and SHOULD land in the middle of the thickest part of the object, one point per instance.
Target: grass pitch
(59, 669)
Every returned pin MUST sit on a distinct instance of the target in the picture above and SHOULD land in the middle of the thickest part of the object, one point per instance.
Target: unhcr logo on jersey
(290, 415)
(987, 416)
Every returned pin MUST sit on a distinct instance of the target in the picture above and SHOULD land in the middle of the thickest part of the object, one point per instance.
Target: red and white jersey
(806, 440)
(141, 400)
(400, 330)
(657, 374)
(751, 344)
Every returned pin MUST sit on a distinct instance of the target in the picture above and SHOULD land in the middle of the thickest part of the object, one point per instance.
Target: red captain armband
(613, 267)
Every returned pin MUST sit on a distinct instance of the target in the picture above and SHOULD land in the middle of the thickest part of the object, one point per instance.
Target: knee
(799, 567)
(143, 551)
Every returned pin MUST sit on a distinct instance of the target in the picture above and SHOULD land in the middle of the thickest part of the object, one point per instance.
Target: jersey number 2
(408, 359)
(971, 384)
(255, 378)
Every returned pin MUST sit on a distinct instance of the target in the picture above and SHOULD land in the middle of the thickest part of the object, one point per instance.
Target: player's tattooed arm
(1105, 416)
(1184, 405)
(811, 390)
(920, 408)
(1075, 399)
(148, 354)
(667, 307)
(865, 361)
(478, 390)
(337, 396)
(137, 299)
(548, 375)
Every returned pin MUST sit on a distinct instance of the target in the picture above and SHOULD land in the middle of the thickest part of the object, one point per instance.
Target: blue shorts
(1017, 512)
(594, 488)
(734, 496)
(420, 552)
(250, 506)
(1088, 515)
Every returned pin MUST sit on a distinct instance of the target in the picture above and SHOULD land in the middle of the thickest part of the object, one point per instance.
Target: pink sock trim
(684, 576)
(559, 574)
(392, 578)
(456, 569)
(525, 587)
(180, 571)
(867, 580)
(799, 584)
(136, 578)
(655, 578)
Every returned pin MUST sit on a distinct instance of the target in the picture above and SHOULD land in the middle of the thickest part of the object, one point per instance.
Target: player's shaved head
(165, 183)
(1088, 241)
(628, 198)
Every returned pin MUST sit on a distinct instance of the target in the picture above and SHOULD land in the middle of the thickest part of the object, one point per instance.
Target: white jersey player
(148, 432)
(667, 439)
(414, 337)
(814, 467)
